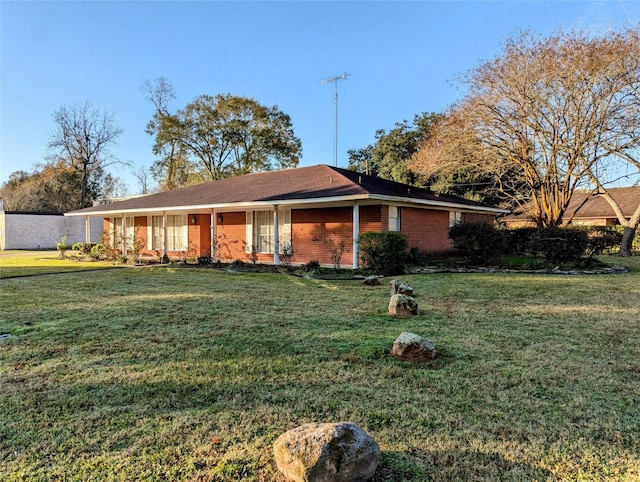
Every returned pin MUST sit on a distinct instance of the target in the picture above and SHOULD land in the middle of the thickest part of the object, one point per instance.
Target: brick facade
(318, 234)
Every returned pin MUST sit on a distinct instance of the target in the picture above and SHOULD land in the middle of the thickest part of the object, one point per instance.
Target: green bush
(519, 239)
(559, 244)
(480, 242)
(83, 248)
(602, 238)
(99, 251)
(383, 253)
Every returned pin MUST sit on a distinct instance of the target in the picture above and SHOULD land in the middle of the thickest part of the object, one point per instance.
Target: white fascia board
(228, 206)
(439, 204)
(298, 202)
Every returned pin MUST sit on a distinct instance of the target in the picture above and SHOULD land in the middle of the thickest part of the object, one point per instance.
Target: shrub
(83, 248)
(99, 251)
(601, 239)
(480, 242)
(519, 239)
(62, 246)
(559, 244)
(286, 254)
(383, 253)
(311, 265)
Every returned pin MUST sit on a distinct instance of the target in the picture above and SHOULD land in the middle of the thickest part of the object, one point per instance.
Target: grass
(191, 374)
(21, 263)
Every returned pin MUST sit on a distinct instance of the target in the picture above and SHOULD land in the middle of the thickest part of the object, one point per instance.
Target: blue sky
(403, 58)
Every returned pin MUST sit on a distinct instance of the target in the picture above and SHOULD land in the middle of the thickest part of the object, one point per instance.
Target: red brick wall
(315, 231)
(478, 218)
(199, 234)
(427, 229)
(230, 237)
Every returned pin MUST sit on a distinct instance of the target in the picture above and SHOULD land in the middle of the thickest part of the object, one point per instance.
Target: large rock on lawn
(413, 348)
(403, 305)
(327, 452)
(399, 287)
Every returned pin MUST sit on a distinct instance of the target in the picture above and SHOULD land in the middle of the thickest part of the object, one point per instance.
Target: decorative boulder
(402, 305)
(413, 348)
(327, 452)
(371, 280)
(399, 287)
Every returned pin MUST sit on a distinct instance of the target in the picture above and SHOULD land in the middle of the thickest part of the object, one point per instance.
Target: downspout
(356, 233)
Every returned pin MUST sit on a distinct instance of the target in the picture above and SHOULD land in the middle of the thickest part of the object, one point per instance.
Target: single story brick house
(262, 215)
(585, 208)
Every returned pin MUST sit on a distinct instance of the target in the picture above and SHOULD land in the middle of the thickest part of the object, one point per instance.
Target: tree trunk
(626, 245)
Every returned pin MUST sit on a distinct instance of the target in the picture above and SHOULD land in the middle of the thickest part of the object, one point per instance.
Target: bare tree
(173, 168)
(141, 173)
(82, 140)
(544, 110)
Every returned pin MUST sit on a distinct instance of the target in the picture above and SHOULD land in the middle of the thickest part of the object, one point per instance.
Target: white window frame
(260, 233)
(394, 218)
(115, 236)
(177, 234)
(155, 232)
(455, 217)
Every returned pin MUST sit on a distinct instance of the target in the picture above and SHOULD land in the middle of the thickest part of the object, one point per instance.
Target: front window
(394, 218)
(455, 217)
(177, 232)
(157, 235)
(260, 230)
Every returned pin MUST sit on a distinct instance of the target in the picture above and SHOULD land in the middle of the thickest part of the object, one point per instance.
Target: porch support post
(87, 229)
(124, 234)
(356, 233)
(213, 224)
(276, 237)
(165, 237)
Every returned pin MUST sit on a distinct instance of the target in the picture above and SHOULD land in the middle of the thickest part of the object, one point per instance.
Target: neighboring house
(31, 230)
(313, 210)
(588, 209)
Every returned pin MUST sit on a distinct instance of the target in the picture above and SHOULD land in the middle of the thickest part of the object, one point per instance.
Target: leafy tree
(53, 188)
(389, 157)
(81, 141)
(540, 116)
(220, 136)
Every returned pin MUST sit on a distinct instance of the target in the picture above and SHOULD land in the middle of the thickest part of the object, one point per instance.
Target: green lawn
(190, 374)
(29, 263)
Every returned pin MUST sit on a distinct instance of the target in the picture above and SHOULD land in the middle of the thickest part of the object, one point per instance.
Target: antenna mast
(335, 117)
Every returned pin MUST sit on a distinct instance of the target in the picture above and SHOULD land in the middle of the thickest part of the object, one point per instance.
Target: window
(177, 232)
(118, 233)
(394, 218)
(260, 233)
(455, 217)
(156, 237)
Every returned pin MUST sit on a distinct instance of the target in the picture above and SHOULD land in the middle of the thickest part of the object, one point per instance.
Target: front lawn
(22, 263)
(190, 374)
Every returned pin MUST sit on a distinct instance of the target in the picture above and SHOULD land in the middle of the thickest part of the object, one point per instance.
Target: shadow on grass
(453, 465)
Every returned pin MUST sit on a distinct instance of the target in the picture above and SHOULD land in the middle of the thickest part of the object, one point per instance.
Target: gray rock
(403, 305)
(399, 287)
(413, 348)
(327, 452)
(373, 280)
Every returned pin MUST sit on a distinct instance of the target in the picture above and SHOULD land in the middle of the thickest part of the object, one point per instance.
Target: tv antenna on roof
(335, 117)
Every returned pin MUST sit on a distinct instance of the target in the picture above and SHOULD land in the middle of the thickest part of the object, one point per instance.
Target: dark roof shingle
(313, 182)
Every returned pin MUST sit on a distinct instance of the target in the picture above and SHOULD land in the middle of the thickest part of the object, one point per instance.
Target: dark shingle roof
(305, 183)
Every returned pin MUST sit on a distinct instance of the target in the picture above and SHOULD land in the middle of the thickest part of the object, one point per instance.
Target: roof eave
(289, 202)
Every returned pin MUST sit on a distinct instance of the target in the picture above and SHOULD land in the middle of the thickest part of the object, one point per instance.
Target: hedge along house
(315, 212)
